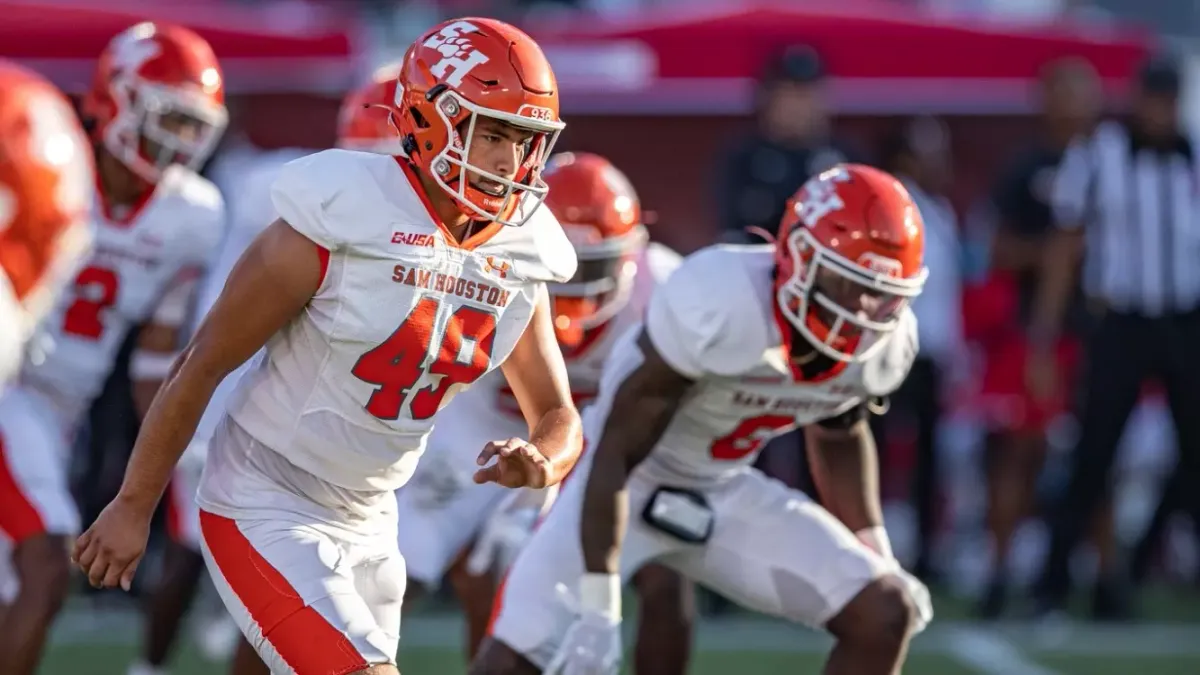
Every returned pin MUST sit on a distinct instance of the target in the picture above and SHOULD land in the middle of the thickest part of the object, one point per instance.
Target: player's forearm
(558, 435)
(1057, 271)
(168, 426)
(845, 469)
(605, 515)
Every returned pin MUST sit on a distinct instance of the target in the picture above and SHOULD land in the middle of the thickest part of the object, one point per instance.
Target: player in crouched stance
(741, 343)
(387, 285)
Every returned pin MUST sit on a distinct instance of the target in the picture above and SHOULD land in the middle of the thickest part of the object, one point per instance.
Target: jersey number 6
(396, 365)
(749, 436)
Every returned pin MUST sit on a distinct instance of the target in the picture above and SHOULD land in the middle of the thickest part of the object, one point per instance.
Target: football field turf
(746, 646)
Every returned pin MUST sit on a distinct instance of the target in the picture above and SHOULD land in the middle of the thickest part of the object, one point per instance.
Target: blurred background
(718, 110)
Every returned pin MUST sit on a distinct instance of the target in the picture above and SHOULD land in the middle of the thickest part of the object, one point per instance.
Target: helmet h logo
(881, 264)
(132, 48)
(458, 56)
(820, 196)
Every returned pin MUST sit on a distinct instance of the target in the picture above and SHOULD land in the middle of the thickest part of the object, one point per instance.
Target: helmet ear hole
(422, 123)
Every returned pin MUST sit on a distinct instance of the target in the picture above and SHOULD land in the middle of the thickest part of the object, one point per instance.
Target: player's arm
(1013, 247)
(1070, 197)
(271, 284)
(845, 469)
(641, 410)
(538, 377)
(159, 340)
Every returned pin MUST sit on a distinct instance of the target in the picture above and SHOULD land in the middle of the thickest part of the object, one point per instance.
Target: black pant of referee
(1124, 351)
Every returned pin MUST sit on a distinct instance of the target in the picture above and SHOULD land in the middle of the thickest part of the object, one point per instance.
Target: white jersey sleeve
(698, 319)
(314, 194)
(887, 370)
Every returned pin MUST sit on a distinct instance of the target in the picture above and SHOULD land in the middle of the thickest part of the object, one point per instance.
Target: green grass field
(85, 645)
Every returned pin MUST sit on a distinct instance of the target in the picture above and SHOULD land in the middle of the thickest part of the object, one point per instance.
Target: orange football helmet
(365, 120)
(46, 189)
(465, 69)
(601, 215)
(849, 260)
(157, 99)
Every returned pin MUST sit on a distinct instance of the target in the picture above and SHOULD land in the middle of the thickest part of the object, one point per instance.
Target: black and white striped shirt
(1140, 210)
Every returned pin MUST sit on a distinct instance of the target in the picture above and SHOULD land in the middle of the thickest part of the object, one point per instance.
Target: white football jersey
(404, 319)
(489, 411)
(714, 321)
(144, 267)
(250, 211)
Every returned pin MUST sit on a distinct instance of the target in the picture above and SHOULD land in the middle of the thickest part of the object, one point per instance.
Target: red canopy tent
(705, 61)
(63, 41)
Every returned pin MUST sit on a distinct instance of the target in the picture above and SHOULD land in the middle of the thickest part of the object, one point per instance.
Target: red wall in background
(670, 159)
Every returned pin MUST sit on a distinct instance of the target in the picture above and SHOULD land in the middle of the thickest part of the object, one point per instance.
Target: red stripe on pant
(297, 632)
(19, 518)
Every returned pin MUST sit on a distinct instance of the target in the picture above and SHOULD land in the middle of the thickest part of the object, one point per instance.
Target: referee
(1125, 200)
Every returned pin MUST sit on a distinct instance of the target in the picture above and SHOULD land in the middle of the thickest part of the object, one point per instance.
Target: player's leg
(776, 551)
(294, 593)
(38, 516)
(474, 593)
(530, 617)
(246, 661)
(438, 515)
(168, 603)
(1013, 460)
(666, 608)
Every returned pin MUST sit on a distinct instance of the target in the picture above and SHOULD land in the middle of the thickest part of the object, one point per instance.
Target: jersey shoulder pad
(326, 196)
(661, 261)
(553, 258)
(197, 213)
(886, 370)
(707, 317)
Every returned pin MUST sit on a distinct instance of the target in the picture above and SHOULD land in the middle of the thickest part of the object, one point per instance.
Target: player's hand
(518, 464)
(109, 551)
(591, 645)
(1041, 373)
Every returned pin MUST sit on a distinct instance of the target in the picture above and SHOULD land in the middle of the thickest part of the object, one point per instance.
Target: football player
(363, 124)
(154, 111)
(387, 285)
(442, 511)
(741, 343)
(46, 184)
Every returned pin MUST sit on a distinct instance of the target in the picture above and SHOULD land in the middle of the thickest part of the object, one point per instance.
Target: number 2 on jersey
(396, 365)
(749, 436)
(95, 291)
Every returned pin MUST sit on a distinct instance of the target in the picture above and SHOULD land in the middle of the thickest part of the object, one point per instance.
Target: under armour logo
(497, 267)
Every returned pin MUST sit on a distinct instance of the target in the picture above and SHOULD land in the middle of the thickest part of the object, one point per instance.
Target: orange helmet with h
(849, 260)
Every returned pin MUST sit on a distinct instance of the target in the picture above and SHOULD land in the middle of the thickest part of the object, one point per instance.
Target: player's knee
(497, 658)
(881, 613)
(45, 574)
(664, 596)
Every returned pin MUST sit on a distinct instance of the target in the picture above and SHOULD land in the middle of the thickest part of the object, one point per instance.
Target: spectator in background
(1129, 191)
(919, 155)
(1017, 422)
(790, 144)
